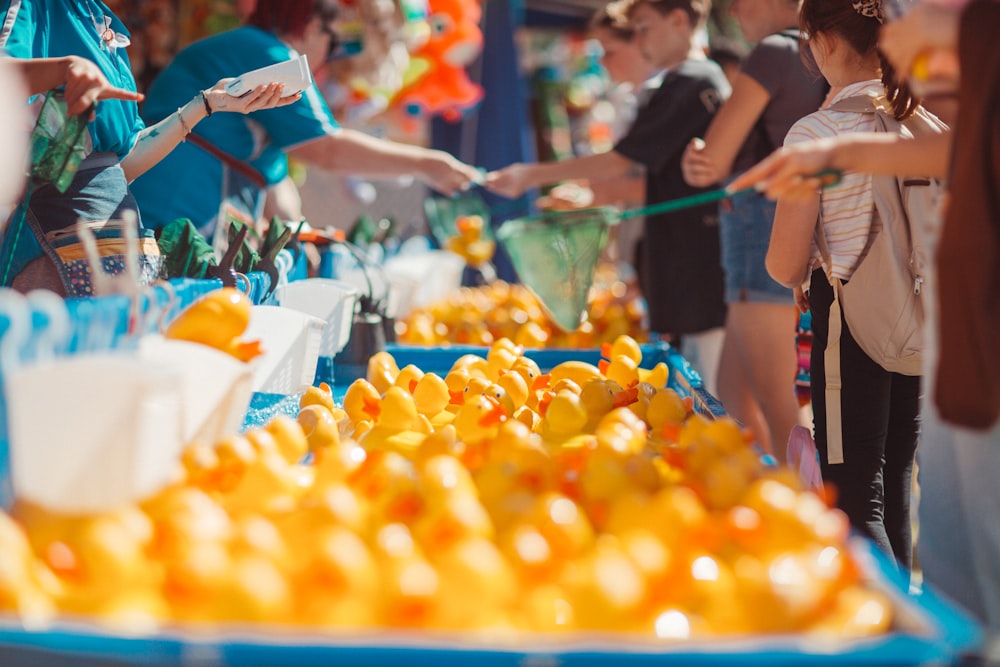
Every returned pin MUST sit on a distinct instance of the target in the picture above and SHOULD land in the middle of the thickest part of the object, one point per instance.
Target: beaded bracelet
(204, 100)
(180, 117)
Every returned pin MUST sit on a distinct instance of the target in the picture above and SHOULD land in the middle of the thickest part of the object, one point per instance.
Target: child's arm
(790, 249)
(789, 173)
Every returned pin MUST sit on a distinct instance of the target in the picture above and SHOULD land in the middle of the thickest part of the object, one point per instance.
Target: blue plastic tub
(936, 634)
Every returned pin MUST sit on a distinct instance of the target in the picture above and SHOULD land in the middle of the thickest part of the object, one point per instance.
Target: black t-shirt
(681, 270)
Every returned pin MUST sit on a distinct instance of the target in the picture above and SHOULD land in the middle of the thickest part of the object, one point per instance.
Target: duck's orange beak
(626, 397)
(602, 366)
(543, 402)
(606, 350)
(496, 415)
(371, 407)
(671, 432)
(541, 382)
(457, 397)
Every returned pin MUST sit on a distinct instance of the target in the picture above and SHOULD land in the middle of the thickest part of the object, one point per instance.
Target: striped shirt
(846, 208)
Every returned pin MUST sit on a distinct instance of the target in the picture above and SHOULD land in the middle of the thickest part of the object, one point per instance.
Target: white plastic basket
(332, 301)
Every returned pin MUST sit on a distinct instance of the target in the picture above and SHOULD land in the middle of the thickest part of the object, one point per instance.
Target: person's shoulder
(700, 68)
(243, 38)
(786, 41)
(703, 73)
(817, 125)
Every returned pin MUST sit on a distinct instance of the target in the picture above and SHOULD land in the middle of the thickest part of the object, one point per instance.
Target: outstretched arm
(363, 155)
(156, 141)
(790, 172)
(516, 179)
(84, 81)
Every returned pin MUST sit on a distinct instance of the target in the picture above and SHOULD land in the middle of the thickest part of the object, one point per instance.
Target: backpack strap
(855, 104)
(831, 358)
(831, 355)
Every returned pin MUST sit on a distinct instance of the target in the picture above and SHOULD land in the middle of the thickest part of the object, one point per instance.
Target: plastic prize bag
(57, 142)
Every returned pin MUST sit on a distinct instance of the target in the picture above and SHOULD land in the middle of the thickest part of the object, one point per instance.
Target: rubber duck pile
(482, 315)
(496, 499)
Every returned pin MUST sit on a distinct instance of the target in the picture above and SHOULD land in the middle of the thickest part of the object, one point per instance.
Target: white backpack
(882, 302)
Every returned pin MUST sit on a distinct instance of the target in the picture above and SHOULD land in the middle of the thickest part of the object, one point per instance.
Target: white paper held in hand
(294, 73)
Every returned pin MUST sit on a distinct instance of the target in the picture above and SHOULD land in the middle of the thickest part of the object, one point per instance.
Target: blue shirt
(56, 28)
(188, 182)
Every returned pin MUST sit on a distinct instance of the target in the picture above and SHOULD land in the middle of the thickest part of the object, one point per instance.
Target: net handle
(828, 178)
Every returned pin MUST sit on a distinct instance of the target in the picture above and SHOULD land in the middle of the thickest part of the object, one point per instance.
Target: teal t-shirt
(56, 28)
(188, 182)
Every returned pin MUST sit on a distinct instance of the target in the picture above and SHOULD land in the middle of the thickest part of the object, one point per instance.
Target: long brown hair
(290, 17)
(838, 17)
(697, 10)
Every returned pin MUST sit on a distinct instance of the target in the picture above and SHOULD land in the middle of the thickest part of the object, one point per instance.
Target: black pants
(879, 411)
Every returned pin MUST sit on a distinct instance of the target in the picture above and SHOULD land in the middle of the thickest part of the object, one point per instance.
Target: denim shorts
(99, 191)
(745, 222)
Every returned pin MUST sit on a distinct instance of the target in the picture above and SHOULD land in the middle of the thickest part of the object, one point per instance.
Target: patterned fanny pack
(111, 246)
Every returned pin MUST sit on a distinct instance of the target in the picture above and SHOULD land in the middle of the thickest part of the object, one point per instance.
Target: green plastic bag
(186, 253)
(57, 142)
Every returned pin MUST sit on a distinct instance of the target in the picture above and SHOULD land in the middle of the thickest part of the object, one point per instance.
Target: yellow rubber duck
(514, 384)
(321, 395)
(320, 428)
(528, 369)
(217, 319)
(623, 344)
(622, 369)
(474, 387)
(398, 426)
(657, 376)
(528, 417)
(644, 393)
(456, 380)
(599, 397)
(622, 431)
(431, 395)
(501, 357)
(579, 372)
(362, 402)
(564, 418)
(475, 364)
(382, 371)
(479, 419)
(408, 377)
(666, 410)
(470, 243)
(502, 397)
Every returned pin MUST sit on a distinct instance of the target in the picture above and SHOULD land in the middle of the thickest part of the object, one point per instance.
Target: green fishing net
(442, 212)
(555, 255)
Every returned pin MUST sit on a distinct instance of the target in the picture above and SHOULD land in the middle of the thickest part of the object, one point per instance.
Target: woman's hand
(261, 97)
(448, 175)
(511, 181)
(86, 84)
(927, 27)
(699, 171)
